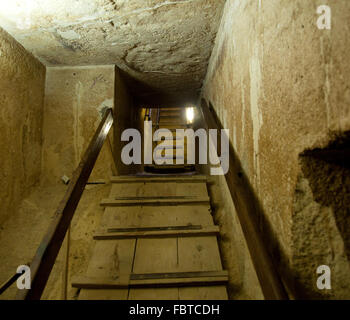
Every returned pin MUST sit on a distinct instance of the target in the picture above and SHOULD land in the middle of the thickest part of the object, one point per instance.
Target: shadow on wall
(247, 201)
(328, 172)
(321, 218)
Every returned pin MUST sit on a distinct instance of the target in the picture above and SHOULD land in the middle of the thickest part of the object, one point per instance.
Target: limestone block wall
(74, 98)
(22, 87)
(282, 87)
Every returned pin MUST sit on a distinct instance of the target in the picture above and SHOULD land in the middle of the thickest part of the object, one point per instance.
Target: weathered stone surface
(281, 86)
(36, 210)
(317, 240)
(22, 87)
(74, 98)
(163, 44)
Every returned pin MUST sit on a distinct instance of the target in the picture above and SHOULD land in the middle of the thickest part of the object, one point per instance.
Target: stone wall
(22, 86)
(125, 116)
(74, 100)
(281, 86)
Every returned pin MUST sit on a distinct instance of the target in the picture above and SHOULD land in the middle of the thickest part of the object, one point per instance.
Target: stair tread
(110, 234)
(165, 201)
(175, 178)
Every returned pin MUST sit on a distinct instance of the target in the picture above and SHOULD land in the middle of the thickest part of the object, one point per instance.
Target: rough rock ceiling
(163, 45)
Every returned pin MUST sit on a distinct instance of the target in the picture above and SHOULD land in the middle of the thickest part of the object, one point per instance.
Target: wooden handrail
(10, 281)
(49, 247)
(270, 282)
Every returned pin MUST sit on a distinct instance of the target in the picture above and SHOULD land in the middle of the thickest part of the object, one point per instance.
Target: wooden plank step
(174, 112)
(159, 179)
(170, 109)
(173, 138)
(173, 275)
(174, 124)
(171, 119)
(170, 116)
(108, 259)
(170, 153)
(168, 157)
(202, 231)
(172, 128)
(161, 202)
(155, 216)
(153, 280)
(148, 190)
(169, 148)
(170, 168)
(172, 146)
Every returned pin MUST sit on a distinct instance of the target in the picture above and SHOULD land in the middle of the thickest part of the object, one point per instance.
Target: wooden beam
(49, 247)
(181, 279)
(143, 229)
(161, 179)
(155, 202)
(205, 231)
(188, 274)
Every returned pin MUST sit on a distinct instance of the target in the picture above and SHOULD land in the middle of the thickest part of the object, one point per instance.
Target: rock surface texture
(75, 99)
(281, 86)
(22, 87)
(164, 45)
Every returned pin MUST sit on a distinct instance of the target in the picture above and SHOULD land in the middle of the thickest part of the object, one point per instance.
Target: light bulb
(189, 114)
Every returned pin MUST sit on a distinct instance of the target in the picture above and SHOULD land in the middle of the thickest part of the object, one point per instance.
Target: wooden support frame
(156, 202)
(175, 279)
(49, 247)
(205, 231)
(159, 179)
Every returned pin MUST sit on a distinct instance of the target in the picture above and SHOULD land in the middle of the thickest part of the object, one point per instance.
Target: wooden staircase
(157, 240)
(170, 119)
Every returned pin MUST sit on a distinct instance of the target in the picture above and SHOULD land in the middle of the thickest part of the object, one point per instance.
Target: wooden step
(171, 119)
(152, 190)
(174, 142)
(175, 168)
(175, 123)
(170, 146)
(170, 116)
(167, 157)
(177, 279)
(161, 151)
(156, 216)
(156, 240)
(184, 231)
(173, 138)
(159, 179)
(171, 109)
(158, 201)
(170, 127)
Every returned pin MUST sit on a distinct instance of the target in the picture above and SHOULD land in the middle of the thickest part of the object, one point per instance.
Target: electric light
(189, 114)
